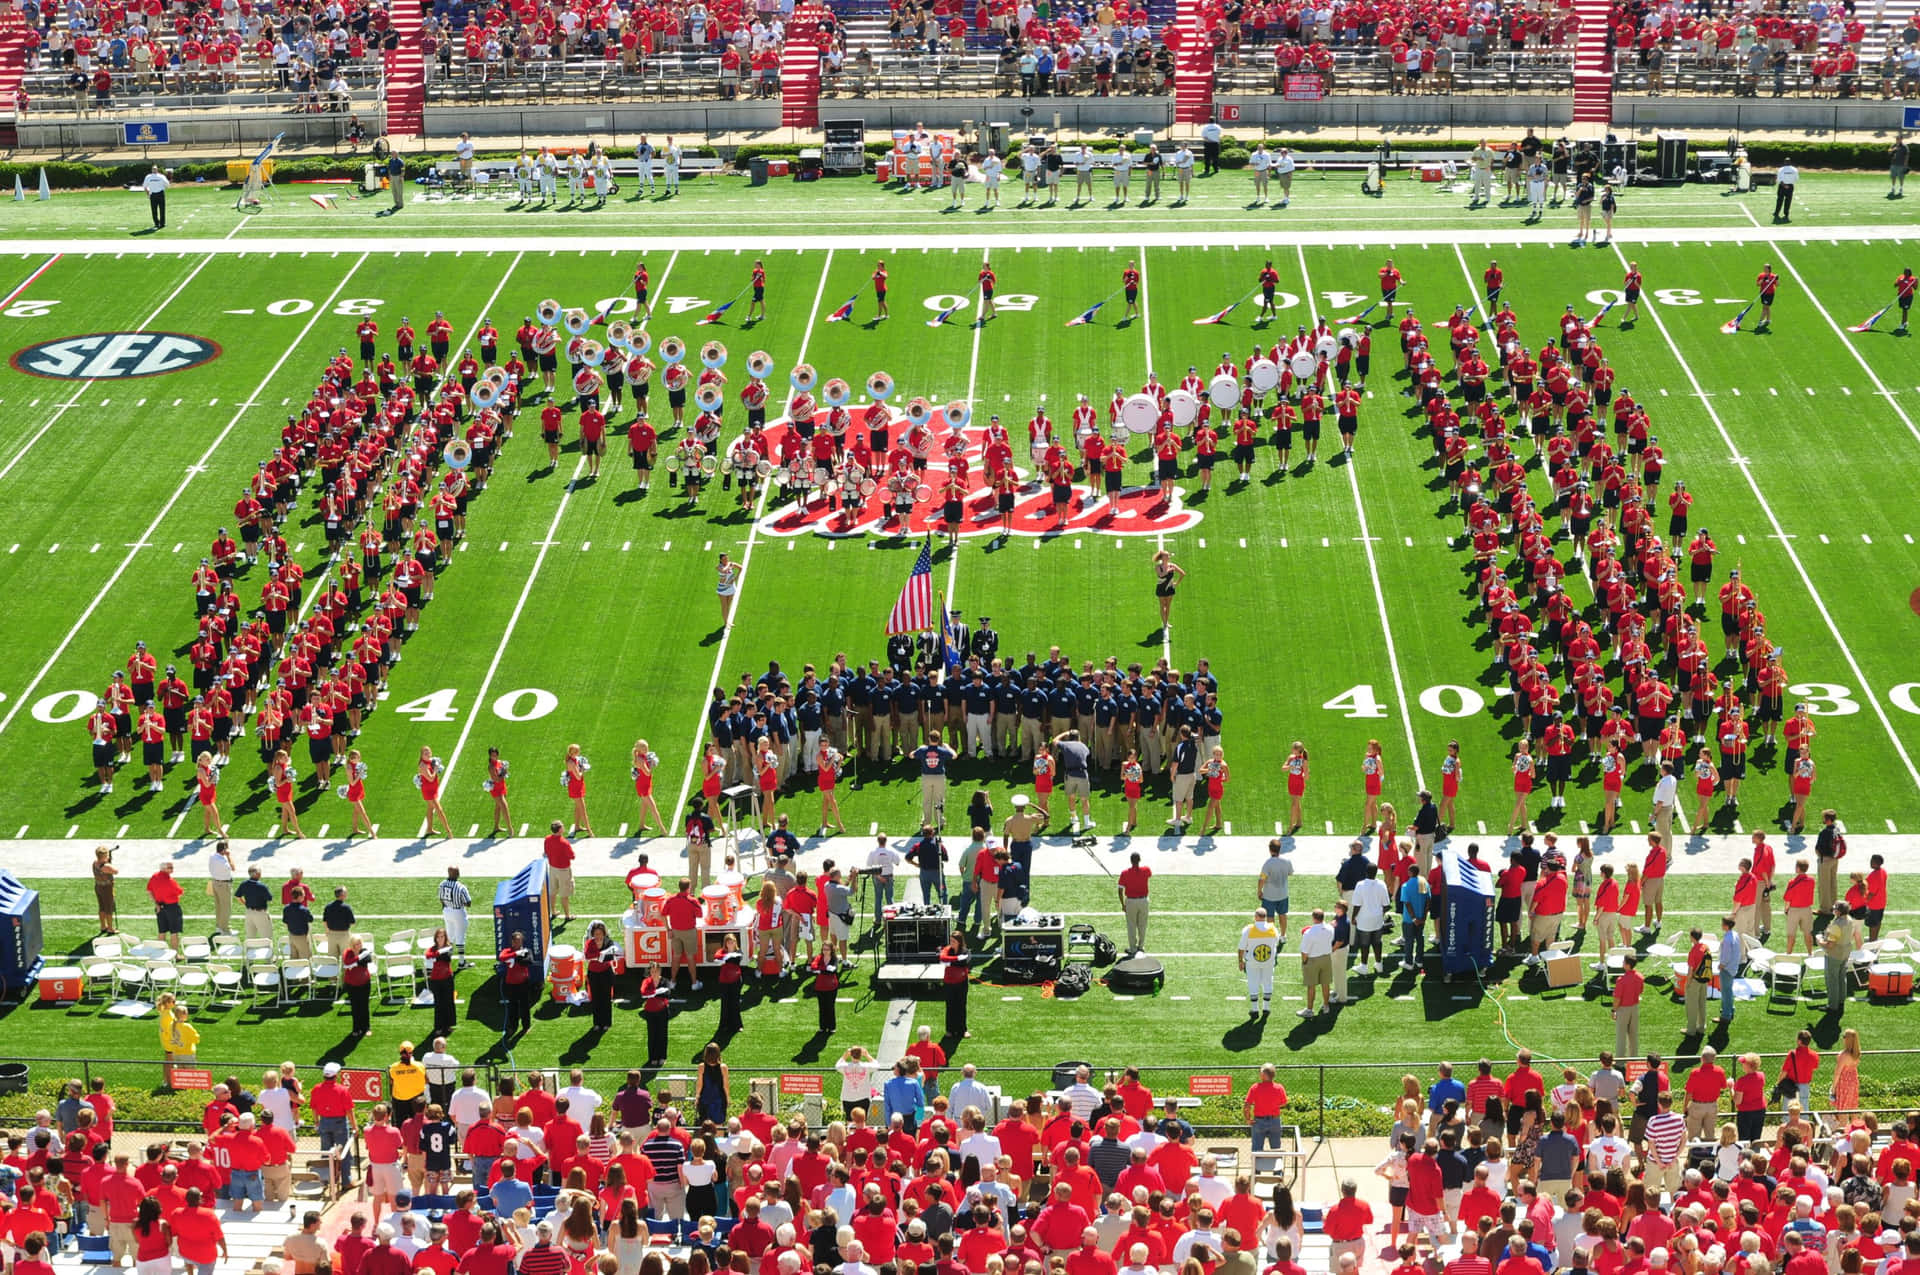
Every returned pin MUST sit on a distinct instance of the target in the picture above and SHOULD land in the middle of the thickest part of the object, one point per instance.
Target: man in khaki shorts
(1184, 765)
(682, 914)
(559, 855)
(122, 1194)
(1316, 963)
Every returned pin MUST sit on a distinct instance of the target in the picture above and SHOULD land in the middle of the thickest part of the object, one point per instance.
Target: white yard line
(953, 561)
(198, 467)
(73, 399)
(746, 560)
(1779, 532)
(1146, 315)
(1846, 340)
(1404, 705)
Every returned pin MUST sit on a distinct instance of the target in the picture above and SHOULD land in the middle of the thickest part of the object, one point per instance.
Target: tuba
(713, 355)
(620, 334)
(836, 392)
(759, 365)
(673, 350)
(548, 312)
(577, 321)
(458, 454)
(804, 378)
(879, 387)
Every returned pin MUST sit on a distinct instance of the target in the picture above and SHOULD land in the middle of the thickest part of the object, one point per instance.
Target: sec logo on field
(107, 356)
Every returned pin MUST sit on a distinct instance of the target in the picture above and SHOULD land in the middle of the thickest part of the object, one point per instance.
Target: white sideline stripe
(1853, 348)
(1373, 569)
(953, 558)
(27, 693)
(88, 384)
(526, 590)
(746, 557)
(1253, 239)
(1819, 604)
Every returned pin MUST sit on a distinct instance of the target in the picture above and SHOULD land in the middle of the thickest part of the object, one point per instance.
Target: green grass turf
(1018, 1033)
(1281, 596)
(727, 205)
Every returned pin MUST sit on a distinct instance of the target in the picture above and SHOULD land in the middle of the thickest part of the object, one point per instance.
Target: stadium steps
(406, 79)
(1593, 65)
(13, 70)
(1192, 64)
(1893, 17)
(800, 68)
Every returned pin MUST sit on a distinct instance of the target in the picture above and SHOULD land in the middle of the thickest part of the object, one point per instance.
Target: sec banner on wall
(145, 133)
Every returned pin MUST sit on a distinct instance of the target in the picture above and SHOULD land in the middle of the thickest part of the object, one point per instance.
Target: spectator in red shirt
(1469, 1262)
(931, 1057)
(197, 1234)
(559, 854)
(1347, 1224)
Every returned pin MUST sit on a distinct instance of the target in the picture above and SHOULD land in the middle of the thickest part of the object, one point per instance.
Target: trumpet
(620, 334)
(879, 387)
(577, 321)
(713, 354)
(548, 312)
(836, 392)
(673, 350)
(759, 365)
(804, 378)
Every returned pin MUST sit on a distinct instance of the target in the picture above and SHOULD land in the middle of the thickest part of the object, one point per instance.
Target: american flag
(913, 610)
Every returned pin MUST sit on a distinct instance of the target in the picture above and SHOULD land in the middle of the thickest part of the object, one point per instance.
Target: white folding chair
(196, 950)
(109, 947)
(1813, 977)
(296, 979)
(129, 979)
(1616, 962)
(195, 984)
(253, 951)
(400, 976)
(1784, 978)
(226, 947)
(1859, 964)
(264, 979)
(229, 984)
(326, 976)
(400, 944)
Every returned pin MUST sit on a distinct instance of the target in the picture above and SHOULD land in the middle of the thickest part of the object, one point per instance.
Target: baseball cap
(331, 1070)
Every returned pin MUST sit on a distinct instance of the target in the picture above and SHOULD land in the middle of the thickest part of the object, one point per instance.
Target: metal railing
(1325, 1099)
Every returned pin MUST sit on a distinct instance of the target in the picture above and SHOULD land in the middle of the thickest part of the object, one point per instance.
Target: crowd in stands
(1609, 1170)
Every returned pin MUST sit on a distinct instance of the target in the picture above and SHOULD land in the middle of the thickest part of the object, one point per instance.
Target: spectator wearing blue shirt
(1443, 1090)
(1413, 900)
(931, 760)
(904, 1096)
(510, 1193)
(929, 856)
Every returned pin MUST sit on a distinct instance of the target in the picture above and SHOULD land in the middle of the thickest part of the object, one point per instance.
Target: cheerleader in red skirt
(282, 780)
(1297, 768)
(644, 762)
(355, 792)
(427, 779)
(206, 776)
(827, 763)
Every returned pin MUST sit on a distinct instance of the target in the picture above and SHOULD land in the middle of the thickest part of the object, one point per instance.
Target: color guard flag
(1594, 322)
(1732, 325)
(942, 317)
(1220, 316)
(1086, 315)
(1868, 325)
(845, 311)
(713, 316)
(600, 319)
(1363, 314)
(913, 610)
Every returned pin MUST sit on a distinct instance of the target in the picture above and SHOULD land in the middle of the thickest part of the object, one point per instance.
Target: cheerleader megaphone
(759, 365)
(577, 321)
(804, 378)
(673, 349)
(836, 392)
(548, 312)
(713, 354)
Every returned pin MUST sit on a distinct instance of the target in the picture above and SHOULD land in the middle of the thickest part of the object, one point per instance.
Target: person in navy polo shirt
(931, 761)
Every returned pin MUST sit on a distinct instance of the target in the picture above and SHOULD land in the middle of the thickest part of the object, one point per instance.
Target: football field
(1330, 600)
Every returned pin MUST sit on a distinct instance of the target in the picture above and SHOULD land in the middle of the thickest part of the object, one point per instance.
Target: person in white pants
(549, 177)
(1083, 174)
(1259, 947)
(1122, 174)
(523, 174)
(1260, 162)
(576, 179)
(674, 154)
(643, 157)
(455, 899)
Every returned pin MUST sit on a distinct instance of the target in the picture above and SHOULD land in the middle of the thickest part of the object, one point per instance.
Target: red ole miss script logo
(1133, 511)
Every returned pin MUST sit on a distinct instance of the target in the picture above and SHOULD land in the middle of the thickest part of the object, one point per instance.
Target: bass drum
(1140, 413)
(1224, 391)
(1185, 408)
(1264, 375)
(1302, 365)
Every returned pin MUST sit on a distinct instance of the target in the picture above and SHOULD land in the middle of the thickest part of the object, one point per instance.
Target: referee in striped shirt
(455, 899)
(666, 1194)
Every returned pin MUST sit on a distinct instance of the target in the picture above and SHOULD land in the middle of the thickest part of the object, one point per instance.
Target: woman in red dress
(355, 793)
(766, 763)
(1043, 782)
(1800, 785)
(427, 780)
(827, 764)
(1297, 769)
(1449, 783)
(1522, 785)
(713, 770)
(495, 786)
(282, 779)
(644, 761)
(1214, 771)
(1706, 778)
(1613, 774)
(206, 777)
(1372, 776)
(575, 777)
(1131, 775)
